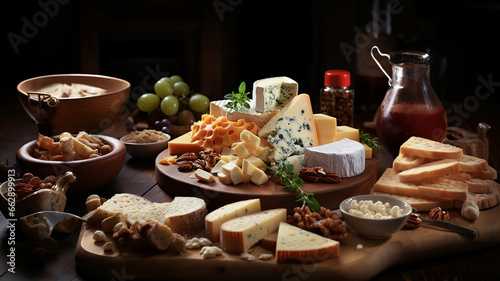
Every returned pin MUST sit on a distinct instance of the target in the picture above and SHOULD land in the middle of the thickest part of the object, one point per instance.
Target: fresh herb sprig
(371, 142)
(292, 182)
(237, 100)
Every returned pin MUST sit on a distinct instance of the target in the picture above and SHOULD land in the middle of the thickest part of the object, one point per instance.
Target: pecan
(185, 166)
(331, 177)
(438, 214)
(309, 178)
(188, 156)
(413, 221)
(201, 164)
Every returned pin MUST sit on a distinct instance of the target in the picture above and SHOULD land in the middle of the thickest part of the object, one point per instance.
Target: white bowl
(146, 150)
(375, 228)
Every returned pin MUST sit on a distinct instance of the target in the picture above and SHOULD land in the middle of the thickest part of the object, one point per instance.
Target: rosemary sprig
(292, 182)
(236, 100)
(371, 142)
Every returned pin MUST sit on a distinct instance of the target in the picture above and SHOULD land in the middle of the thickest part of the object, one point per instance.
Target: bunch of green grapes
(172, 103)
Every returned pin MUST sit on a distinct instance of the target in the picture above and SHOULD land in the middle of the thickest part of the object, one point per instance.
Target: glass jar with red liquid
(410, 106)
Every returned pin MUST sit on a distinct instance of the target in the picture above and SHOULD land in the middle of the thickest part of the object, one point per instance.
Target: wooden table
(137, 177)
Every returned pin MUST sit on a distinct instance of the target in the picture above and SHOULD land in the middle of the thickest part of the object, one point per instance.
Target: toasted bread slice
(473, 164)
(487, 174)
(430, 170)
(422, 204)
(433, 188)
(421, 147)
(405, 162)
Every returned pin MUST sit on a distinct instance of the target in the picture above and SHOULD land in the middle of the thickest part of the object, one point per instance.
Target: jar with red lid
(337, 96)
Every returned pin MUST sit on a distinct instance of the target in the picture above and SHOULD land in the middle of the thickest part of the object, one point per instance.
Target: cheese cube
(204, 175)
(259, 177)
(248, 168)
(225, 151)
(250, 139)
(241, 150)
(239, 234)
(347, 132)
(216, 218)
(234, 171)
(368, 151)
(218, 167)
(235, 159)
(262, 153)
(259, 163)
(225, 179)
(326, 126)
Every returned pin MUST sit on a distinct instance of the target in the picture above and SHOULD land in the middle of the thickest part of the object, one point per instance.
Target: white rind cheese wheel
(345, 157)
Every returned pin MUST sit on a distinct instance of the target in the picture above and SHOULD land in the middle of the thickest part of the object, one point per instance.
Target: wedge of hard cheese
(297, 244)
(429, 170)
(239, 234)
(124, 203)
(421, 147)
(433, 188)
(216, 218)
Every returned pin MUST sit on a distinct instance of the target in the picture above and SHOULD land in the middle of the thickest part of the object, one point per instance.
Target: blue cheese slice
(345, 157)
(291, 131)
(274, 93)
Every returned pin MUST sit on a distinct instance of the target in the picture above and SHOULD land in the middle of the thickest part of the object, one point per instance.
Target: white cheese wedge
(239, 234)
(217, 109)
(216, 218)
(297, 244)
(218, 167)
(272, 94)
(345, 157)
(204, 176)
(292, 130)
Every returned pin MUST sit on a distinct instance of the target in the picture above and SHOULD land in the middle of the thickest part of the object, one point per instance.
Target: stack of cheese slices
(428, 174)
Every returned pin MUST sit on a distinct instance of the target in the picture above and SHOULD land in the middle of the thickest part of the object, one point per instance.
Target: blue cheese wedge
(345, 157)
(274, 93)
(291, 131)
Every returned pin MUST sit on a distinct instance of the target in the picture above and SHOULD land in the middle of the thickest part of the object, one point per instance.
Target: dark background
(216, 44)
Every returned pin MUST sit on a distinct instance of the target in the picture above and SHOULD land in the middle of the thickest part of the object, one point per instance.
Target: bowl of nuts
(375, 216)
(31, 194)
(94, 159)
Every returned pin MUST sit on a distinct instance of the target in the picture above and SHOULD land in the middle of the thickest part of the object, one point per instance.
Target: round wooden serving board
(272, 195)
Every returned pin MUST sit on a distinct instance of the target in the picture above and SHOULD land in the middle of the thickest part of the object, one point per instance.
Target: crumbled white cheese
(247, 257)
(377, 210)
(265, 256)
(359, 247)
(196, 243)
(208, 252)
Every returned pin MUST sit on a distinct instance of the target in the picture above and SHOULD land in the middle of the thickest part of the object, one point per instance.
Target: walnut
(201, 164)
(326, 222)
(438, 214)
(210, 156)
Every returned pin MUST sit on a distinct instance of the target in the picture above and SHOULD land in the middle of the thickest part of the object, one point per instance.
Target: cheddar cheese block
(272, 94)
(216, 218)
(297, 244)
(239, 234)
(292, 130)
(326, 126)
(183, 144)
(347, 132)
(421, 147)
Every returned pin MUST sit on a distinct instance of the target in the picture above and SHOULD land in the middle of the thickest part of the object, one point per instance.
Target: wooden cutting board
(376, 256)
(271, 195)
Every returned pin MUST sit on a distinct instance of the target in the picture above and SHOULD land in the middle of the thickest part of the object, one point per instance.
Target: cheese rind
(298, 244)
(291, 131)
(345, 157)
(272, 94)
(239, 234)
(216, 218)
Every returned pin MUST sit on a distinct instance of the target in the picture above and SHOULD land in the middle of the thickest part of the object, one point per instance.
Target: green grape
(169, 105)
(176, 78)
(199, 102)
(170, 81)
(163, 88)
(181, 88)
(148, 102)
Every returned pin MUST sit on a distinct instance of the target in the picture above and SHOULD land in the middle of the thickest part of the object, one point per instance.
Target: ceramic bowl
(91, 173)
(91, 114)
(53, 199)
(145, 150)
(375, 228)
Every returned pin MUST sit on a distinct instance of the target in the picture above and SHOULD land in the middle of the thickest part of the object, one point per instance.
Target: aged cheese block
(268, 242)
(345, 157)
(326, 126)
(183, 144)
(239, 234)
(216, 218)
(292, 130)
(217, 109)
(125, 203)
(297, 244)
(347, 132)
(272, 94)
